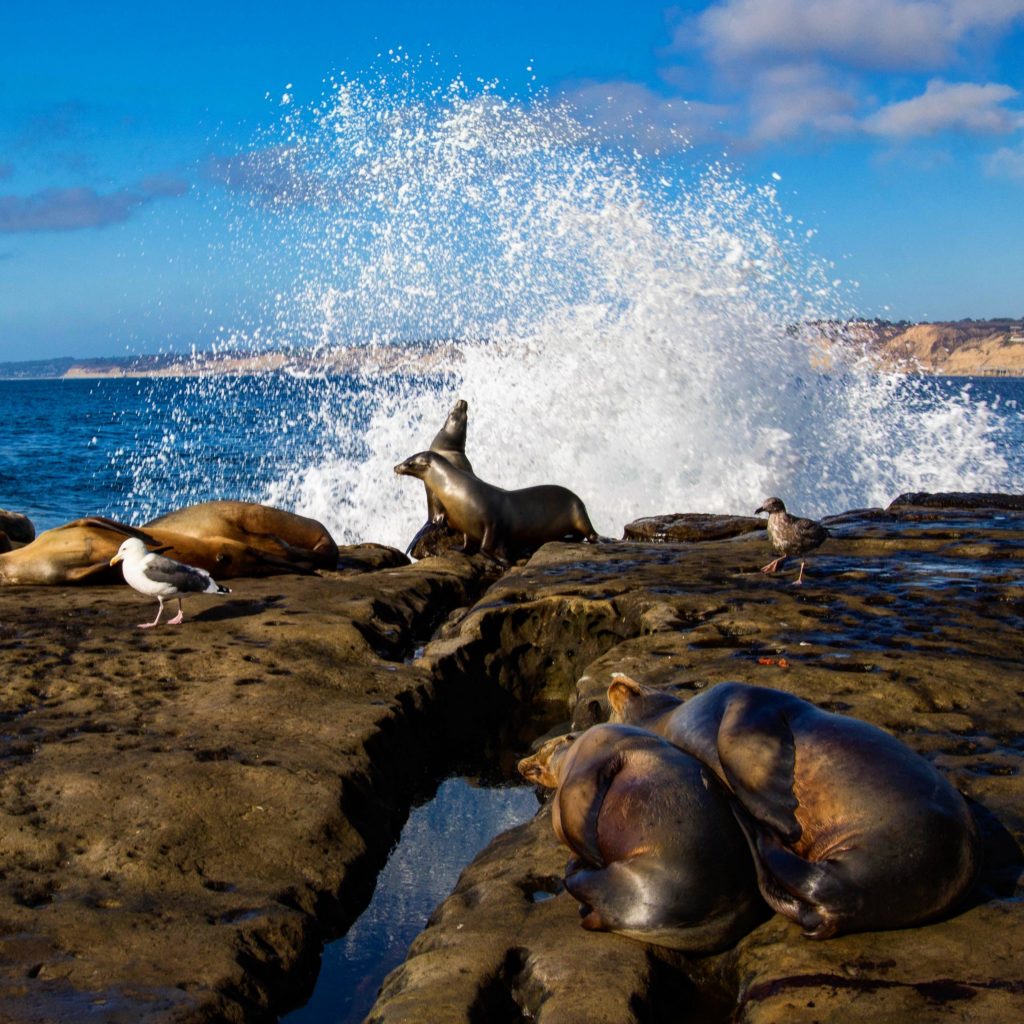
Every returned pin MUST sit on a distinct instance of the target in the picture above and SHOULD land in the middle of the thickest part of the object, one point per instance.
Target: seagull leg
(160, 611)
(177, 618)
(800, 578)
(772, 566)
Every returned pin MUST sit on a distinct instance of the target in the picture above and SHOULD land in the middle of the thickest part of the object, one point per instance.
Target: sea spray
(634, 326)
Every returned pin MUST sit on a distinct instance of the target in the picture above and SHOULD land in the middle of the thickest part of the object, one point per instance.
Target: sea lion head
(419, 465)
(541, 768)
(457, 417)
(633, 702)
(770, 505)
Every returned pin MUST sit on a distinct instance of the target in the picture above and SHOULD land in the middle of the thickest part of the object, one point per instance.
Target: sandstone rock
(913, 625)
(959, 500)
(690, 526)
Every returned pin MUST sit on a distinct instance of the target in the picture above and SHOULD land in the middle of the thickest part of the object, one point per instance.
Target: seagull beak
(757, 510)
(115, 560)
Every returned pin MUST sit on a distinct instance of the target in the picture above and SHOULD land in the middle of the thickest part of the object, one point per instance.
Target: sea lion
(497, 520)
(80, 552)
(790, 535)
(658, 855)
(17, 527)
(295, 540)
(851, 829)
(449, 441)
(77, 552)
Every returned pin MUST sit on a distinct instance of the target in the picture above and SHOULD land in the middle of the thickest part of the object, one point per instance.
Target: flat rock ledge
(909, 618)
(187, 814)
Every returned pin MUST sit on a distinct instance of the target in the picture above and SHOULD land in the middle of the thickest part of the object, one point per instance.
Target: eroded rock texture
(185, 811)
(909, 618)
(185, 814)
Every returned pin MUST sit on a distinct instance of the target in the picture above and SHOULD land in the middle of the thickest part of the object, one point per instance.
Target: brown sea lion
(293, 539)
(19, 528)
(852, 830)
(658, 855)
(449, 441)
(503, 523)
(80, 552)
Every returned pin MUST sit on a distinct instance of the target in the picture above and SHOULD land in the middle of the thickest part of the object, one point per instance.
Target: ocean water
(133, 449)
(634, 325)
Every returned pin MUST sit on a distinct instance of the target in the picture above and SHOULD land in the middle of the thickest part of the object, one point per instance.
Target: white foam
(628, 327)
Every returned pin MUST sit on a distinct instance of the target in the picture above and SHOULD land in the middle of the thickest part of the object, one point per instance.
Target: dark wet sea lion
(19, 528)
(450, 441)
(790, 535)
(290, 538)
(658, 855)
(852, 830)
(80, 551)
(500, 521)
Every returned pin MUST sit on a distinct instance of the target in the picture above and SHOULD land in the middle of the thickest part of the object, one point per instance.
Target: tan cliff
(958, 348)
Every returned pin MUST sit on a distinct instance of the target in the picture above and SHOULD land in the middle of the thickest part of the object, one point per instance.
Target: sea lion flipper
(419, 533)
(580, 798)
(757, 752)
(802, 890)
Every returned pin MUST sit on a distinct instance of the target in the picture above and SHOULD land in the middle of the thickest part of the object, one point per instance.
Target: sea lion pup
(851, 829)
(295, 541)
(790, 535)
(658, 855)
(495, 519)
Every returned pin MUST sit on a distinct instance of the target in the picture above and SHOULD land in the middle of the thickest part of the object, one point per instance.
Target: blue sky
(896, 128)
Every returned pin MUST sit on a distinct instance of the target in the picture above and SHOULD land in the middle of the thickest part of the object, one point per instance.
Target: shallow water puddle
(440, 838)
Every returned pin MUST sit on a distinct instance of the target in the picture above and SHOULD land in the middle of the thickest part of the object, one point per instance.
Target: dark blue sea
(133, 449)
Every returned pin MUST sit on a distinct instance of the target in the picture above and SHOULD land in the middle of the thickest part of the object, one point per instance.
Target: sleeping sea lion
(851, 829)
(658, 855)
(17, 527)
(503, 523)
(290, 538)
(80, 551)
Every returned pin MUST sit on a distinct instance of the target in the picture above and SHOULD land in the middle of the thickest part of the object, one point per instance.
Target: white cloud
(787, 101)
(637, 114)
(1006, 163)
(879, 34)
(964, 107)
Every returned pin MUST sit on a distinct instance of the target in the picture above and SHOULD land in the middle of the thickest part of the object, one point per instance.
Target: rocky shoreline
(187, 815)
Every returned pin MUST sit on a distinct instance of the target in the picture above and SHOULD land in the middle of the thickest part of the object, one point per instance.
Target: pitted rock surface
(911, 619)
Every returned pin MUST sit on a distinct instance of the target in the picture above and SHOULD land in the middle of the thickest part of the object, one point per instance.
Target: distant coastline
(962, 348)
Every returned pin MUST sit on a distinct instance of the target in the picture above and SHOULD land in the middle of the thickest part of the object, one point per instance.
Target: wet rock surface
(909, 618)
(186, 813)
(690, 526)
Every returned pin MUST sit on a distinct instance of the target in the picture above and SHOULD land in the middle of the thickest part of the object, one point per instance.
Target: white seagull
(160, 577)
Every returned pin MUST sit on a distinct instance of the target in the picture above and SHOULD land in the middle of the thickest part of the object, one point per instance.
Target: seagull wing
(184, 578)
